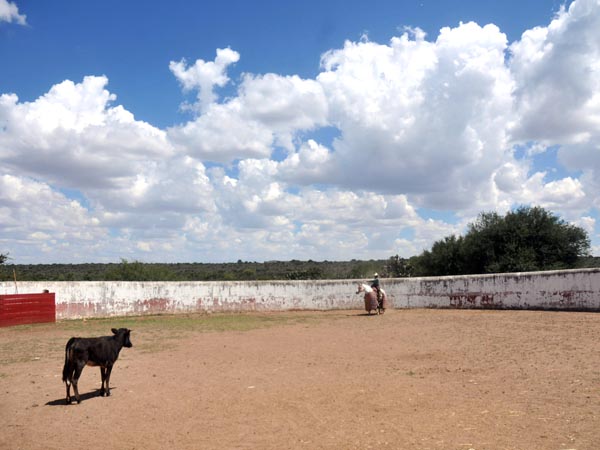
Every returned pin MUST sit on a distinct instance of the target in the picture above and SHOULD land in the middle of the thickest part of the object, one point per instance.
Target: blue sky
(132, 42)
(194, 131)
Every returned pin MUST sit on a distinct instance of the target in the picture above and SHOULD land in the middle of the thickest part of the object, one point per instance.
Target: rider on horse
(375, 285)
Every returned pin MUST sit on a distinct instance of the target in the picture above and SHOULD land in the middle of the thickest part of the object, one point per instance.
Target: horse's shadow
(88, 395)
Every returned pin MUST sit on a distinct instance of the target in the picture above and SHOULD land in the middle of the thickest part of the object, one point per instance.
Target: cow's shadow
(88, 395)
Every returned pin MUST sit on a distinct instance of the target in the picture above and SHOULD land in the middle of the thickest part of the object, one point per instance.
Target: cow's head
(123, 334)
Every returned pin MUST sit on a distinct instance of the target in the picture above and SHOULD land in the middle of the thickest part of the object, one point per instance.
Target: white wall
(563, 290)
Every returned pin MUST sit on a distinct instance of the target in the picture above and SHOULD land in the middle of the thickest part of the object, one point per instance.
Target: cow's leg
(103, 376)
(68, 382)
(108, 370)
(78, 369)
(68, 378)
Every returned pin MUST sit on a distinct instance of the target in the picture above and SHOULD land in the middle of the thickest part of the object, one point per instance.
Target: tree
(398, 267)
(526, 239)
(445, 258)
(3, 258)
(138, 271)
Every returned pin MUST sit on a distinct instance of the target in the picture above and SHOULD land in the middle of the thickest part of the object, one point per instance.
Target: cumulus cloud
(203, 76)
(268, 111)
(72, 137)
(310, 164)
(63, 228)
(284, 104)
(9, 12)
(420, 117)
(124, 170)
(223, 134)
(556, 69)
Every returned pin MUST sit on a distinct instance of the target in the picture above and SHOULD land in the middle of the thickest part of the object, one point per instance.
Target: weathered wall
(561, 290)
(570, 290)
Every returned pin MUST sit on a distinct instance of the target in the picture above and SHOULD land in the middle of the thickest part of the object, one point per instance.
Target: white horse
(371, 302)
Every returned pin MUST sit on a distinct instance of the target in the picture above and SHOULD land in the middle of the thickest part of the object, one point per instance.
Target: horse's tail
(384, 300)
(68, 364)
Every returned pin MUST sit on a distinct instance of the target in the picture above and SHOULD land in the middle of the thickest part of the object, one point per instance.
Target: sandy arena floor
(410, 379)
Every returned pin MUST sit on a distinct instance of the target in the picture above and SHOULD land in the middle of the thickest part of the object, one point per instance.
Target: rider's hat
(376, 275)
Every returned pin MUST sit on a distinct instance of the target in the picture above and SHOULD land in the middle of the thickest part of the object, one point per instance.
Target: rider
(375, 285)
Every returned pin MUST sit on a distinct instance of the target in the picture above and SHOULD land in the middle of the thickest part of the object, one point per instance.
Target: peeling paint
(572, 290)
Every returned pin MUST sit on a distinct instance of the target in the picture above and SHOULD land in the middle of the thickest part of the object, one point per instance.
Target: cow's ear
(114, 330)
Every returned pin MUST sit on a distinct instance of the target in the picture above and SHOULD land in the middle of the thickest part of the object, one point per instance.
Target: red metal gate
(21, 309)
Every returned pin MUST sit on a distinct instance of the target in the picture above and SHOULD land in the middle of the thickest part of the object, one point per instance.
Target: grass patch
(184, 323)
(32, 343)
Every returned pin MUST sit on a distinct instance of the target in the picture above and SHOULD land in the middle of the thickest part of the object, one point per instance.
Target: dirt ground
(410, 379)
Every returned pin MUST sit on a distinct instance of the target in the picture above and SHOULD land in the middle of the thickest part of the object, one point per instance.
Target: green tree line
(237, 271)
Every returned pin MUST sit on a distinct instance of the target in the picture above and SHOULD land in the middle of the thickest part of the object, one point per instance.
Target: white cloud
(587, 223)
(73, 138)
(284, 104)
(422, 118)
(124, 170)
(559, 195)
(144, 246)
(309, 165)
(268, 111)
(223, 134)
(9, 12)
(36, 218)
(204, 75)
(556, 69)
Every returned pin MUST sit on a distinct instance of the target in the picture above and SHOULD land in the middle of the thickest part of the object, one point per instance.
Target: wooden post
(15, 277)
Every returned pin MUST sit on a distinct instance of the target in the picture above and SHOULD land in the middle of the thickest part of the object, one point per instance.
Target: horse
(371, 303)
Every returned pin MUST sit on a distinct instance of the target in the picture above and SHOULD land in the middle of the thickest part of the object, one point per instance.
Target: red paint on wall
(474, 300)
(152, 306)
(79, 309)
(463, 300)
(20, 309)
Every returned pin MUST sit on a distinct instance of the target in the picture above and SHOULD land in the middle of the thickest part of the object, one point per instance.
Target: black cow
(100, 351)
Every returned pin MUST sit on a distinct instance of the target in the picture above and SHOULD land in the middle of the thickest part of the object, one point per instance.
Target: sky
(327, 130)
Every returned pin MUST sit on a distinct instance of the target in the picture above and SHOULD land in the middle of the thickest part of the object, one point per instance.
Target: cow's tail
(68, 363)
